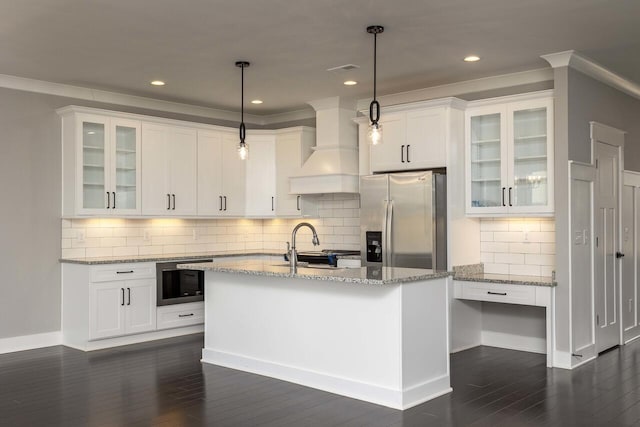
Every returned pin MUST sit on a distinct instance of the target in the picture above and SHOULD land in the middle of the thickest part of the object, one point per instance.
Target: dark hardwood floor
(164, 384)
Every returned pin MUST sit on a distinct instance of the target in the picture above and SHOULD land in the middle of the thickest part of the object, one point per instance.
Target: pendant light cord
(375, 63)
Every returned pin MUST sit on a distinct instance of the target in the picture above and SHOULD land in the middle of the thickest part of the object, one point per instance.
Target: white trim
(96, 95)
(29, 342)
(135, 339)
(392, 398)
(465, 347)
(450, 102)
(513, 341)
(564, 360)
(631, 178)
(520, 97)
(585, 65)
(606, 134)
(464, 87)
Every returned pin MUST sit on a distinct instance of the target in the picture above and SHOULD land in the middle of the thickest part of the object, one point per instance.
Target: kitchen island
(378, 334)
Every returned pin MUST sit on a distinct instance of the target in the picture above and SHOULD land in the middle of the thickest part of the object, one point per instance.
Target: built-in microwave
(177, 286)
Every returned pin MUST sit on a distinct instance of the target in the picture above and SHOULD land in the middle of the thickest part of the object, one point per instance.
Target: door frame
(600, 133)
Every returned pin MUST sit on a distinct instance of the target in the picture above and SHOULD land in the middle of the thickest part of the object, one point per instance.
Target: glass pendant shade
(375, 133)
(243, 150)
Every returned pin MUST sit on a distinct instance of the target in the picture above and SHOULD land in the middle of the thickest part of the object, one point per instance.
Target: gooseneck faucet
(293, 255)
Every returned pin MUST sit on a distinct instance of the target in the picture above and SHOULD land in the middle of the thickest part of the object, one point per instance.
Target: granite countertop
(166, 257)
(362, 275)
(475, 273)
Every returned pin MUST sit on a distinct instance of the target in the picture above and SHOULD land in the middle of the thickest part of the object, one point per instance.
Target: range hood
(333, 165)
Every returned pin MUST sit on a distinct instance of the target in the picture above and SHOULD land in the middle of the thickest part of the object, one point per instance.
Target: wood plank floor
(164, 384)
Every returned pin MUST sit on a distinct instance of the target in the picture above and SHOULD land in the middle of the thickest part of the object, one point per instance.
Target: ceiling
(120, 45)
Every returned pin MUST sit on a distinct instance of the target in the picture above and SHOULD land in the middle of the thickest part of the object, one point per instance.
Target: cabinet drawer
(114, 272)
(493, 292)
(175, 316)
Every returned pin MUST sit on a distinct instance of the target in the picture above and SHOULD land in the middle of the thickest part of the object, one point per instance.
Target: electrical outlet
(80, 236)
(146, 235)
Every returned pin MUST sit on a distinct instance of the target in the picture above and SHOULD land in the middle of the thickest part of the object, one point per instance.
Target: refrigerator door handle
(390, 233)
(385, 248)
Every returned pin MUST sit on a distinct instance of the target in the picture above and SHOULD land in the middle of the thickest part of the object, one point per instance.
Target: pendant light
(375, 128)
(243, 147)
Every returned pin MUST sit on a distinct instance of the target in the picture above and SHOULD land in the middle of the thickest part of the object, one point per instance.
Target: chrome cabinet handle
(402, 153)
(185, 315)
(504, 294)
(114, 200)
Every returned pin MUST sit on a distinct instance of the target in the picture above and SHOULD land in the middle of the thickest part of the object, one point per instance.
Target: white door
(233, 176)
(140, 305)
(93, 185)
(261, 176)
(106, 310)
(182, 158)
(156, 197)
(426, 139)
(606, 265)
(390, 155)
(209, 173)
(288, 161)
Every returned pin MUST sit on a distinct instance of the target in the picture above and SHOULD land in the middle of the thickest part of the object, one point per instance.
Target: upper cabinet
(101, 164)
(221, 174)
(293, 148)
(168, 170)
(261, 176)
(509, 156)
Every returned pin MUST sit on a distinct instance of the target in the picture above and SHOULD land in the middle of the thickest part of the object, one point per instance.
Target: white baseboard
(396, 399)
(29, 342)
(465, 347)
(134, 339)
(514, 342)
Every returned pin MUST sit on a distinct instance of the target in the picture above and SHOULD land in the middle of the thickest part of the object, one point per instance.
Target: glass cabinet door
(530, 158)
(94, 163)
(486, 160)
(125, 167)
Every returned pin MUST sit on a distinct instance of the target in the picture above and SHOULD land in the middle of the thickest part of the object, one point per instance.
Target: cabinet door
(261, 176)
(182, 158)
(140, 305)
(209, 173)
(426, 139)
(93, 167)
(530, 157)
(106, 310)
(486, 150)
(125, 166)
(233, 176)
(390, 155)
(156, 197)
(291, 152)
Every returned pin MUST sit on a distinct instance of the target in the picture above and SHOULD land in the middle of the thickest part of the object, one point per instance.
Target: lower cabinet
(122, 307)
(178, 315)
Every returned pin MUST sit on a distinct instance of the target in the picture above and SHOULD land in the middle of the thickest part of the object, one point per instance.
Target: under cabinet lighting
(256, 101)
(350, 83)
(472, 58)
(158, 83)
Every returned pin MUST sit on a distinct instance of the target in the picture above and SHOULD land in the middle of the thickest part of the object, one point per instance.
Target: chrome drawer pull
(185, 315)
(504, 294)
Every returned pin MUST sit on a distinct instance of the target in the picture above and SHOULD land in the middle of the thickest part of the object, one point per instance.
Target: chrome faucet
(293, 255)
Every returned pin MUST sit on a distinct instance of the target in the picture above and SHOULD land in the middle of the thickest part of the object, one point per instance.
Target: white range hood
(333, 165)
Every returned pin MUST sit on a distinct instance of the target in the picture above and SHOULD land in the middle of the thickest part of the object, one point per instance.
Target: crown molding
(461, 88)
(591, 68)
(95, 95)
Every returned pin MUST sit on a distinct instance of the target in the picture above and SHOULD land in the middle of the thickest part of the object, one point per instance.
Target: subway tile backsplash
(522, 246)
(338, 226)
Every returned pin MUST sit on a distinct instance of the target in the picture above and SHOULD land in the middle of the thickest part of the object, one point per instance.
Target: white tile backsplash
(338, 226)
(521, 246)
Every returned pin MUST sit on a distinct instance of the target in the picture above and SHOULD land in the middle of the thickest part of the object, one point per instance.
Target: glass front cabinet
(106, 154)
(509, 157)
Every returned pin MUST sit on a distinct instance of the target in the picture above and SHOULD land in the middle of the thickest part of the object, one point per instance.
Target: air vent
(343, 68)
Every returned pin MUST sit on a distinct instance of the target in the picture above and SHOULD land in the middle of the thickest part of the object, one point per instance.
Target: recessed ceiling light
(91, 132)
(256, 101)
(158, 83)
(472, 58)
(350, 83)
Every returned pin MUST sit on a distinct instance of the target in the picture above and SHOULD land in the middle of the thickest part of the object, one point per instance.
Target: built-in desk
(499, 288)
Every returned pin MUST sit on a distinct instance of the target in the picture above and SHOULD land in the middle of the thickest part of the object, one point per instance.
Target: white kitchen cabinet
(509, 152)
(122, 307)
(221, 174)
(101, 164)
(168, 170)
(261, 176)
(412, 139)
(293, 148)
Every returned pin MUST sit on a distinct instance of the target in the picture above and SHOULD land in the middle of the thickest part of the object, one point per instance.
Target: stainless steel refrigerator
(403, 220)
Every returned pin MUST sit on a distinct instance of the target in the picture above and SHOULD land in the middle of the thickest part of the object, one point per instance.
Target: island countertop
(362, 275)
